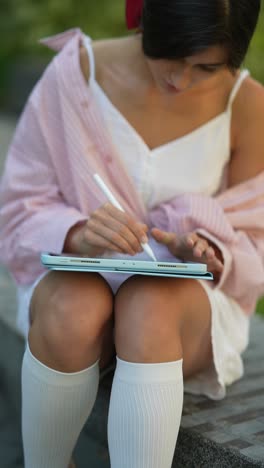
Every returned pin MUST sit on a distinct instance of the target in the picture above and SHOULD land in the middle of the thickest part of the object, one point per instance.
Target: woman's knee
(146, 319)
(150, 300)
(160, 319)
(69, 307)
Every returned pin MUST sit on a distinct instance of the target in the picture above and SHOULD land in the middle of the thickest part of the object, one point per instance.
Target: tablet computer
(69, 262)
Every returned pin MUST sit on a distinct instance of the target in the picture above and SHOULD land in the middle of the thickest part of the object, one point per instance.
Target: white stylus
(114, 202)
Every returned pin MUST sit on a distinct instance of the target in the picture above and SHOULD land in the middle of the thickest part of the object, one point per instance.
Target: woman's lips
(172, 88)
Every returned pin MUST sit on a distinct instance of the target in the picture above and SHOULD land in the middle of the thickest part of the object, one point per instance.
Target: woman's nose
(182, 78)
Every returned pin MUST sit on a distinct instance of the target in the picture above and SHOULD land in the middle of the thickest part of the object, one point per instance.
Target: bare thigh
(71, 313)
(164, 319)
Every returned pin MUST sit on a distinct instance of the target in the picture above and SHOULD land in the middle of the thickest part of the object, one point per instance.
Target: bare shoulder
(247, 132)
(106, 51)
(249, 101)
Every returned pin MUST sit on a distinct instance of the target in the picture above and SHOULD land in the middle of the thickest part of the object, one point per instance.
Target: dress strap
(87, 42)
(236, 87)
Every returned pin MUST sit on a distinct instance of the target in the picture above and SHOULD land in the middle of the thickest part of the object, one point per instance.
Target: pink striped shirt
(47, 185)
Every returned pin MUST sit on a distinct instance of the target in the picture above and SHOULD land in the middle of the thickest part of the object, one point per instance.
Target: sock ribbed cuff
(54, 377)
(147, 373)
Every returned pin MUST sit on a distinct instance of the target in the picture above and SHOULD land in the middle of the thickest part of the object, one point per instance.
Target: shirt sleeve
(34, 215)
(243, 274)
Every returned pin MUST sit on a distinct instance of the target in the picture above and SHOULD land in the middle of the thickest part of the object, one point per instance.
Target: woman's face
(177, 76)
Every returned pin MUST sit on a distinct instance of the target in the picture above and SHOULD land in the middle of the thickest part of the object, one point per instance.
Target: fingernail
(144, 239)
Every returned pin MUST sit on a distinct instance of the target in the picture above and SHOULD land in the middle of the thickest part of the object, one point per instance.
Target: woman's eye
(208, 69)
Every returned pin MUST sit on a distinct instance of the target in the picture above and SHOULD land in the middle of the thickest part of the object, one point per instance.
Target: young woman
(174, 126)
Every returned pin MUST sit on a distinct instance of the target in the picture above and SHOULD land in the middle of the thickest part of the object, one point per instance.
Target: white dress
(159, 175)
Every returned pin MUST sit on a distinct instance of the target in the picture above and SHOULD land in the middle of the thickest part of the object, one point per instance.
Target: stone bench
(228, 433)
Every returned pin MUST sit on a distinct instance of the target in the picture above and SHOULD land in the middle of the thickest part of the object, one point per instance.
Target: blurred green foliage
(260, 307)
(23, 22)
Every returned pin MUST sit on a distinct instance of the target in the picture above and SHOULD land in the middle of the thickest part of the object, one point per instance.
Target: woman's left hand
(191, 247)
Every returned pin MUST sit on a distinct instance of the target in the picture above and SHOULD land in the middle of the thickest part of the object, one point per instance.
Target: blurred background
(22, 58)
(23, 22)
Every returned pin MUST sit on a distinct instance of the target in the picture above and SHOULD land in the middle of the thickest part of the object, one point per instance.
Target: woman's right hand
(108, 228)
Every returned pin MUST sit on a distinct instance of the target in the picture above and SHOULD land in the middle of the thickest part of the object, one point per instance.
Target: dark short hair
(174, 29)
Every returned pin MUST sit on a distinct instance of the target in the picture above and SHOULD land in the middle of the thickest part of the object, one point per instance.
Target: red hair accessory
(133, 13)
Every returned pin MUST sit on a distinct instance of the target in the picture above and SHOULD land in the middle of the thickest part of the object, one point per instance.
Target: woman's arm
(234, 223)
(247, 133)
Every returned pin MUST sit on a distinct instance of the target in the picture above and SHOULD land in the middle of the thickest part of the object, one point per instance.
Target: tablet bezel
(71, 262)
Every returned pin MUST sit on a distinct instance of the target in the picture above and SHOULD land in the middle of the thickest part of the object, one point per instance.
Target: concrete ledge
(228, 433)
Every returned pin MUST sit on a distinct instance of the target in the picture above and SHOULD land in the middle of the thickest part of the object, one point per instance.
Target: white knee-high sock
(55, 407)
(145, 413)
